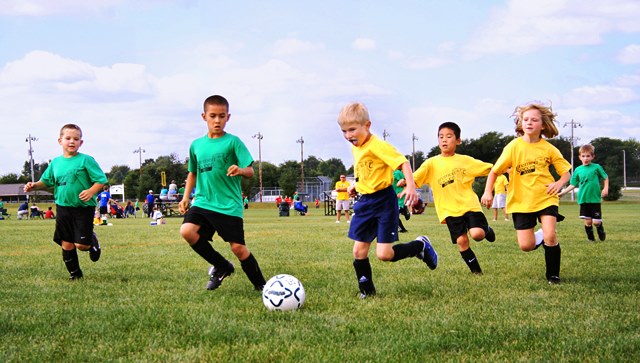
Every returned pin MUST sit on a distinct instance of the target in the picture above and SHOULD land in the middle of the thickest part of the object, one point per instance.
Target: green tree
(117, 174)
(11, 178)
(289, 179)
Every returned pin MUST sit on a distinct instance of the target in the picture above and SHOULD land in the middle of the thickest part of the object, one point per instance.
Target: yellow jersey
(500, 187)
(451, 181)
(374, 163)
(342, 185)
(530, 174)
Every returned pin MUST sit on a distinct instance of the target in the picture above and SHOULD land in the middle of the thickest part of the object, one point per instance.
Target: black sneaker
(553, 280)
(218, 275)
(428, 254)
(405, 213)
(95, 250)
(76, 275)
(602, 235)
(490, 235)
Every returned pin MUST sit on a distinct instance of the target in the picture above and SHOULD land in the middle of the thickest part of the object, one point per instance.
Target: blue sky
(134, 74)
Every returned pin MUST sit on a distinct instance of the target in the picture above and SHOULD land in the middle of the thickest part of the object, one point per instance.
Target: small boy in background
(76, 178)
(587, 178)
(451, 177)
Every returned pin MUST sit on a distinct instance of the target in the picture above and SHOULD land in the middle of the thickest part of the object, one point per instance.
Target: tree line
(137, 182)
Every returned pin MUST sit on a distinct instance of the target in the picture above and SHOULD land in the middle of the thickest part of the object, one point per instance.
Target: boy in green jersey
(587, 178)
(217, 163)
(76, 178)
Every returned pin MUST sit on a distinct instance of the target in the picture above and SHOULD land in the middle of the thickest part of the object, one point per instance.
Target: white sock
(539, 237)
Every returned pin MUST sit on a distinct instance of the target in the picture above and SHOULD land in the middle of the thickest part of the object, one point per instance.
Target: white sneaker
(337, 221)
(349, 221)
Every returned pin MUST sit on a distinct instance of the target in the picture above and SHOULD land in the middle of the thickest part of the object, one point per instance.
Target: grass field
(145, 300)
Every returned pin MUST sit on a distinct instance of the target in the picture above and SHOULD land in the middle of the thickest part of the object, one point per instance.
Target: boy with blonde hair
(376, 212)
(587, 178)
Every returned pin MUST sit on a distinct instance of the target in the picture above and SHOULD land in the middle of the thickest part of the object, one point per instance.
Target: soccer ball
(283, 292)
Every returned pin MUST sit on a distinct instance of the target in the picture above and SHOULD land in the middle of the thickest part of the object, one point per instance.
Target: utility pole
(624, 167)
(413, 153)
(29, 139)
(301, 142)
(259, 137)
(573, 125)
(385, 134)
(139, 150)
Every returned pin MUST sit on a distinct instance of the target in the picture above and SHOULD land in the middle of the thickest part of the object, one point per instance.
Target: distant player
(76, 178)
(587, 178)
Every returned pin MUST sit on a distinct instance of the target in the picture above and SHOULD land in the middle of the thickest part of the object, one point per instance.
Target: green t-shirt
(397, 176)
(209, 159)
(70, 176)
(587, 178)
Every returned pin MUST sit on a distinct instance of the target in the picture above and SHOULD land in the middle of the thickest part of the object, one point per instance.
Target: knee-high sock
(252, 270)
(364, 276)
(404, 250)
(206, 251)
(470, 259)
(70, 259)
(552, 259)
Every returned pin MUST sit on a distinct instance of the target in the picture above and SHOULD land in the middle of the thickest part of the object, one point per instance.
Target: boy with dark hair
(76, 178)
(587, 178)
(376, 212)
(451, 177)
(217, 162)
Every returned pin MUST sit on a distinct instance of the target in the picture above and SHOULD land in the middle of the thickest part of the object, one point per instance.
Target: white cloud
(364, 44)
(628, 80)
(293, 46)
(630, 54)
(599, 95)
(47, 7)
(526, 26)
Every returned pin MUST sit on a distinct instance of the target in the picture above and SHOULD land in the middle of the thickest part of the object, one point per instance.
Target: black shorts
(74, 224)
(459, 226)
(591, 210)
(229, 228)
(104, 210)
(528, 220)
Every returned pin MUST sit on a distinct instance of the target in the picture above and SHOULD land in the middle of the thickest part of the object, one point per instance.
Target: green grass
(145, 299)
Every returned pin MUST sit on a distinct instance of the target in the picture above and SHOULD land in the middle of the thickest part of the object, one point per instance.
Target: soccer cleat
(490, 235)
(218, 275)
(95, 250)
(602, 235)
(428, 254)
(337, 221)
(553, 280)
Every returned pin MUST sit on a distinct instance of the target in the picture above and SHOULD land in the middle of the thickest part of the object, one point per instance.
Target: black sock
(70, 259)
(364, 276)
(589, 230)
(401, 225)
(600, 227)
(404, 250)
(252, 270)
(470, 259)
(552, 259)
(206, 251)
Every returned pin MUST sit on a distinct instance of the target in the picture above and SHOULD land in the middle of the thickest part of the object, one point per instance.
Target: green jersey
(209, 160)
(397, 176)
(587, 178)
(70, 176)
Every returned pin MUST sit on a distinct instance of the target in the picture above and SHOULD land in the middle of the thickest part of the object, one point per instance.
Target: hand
(85, 195)
(27, 187)
(487, 199)
(554, 188)
(233, 170)
(183, 206)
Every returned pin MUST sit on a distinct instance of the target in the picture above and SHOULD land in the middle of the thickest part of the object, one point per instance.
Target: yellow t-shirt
(374, 163)
(342, 185)
(530, 174)
(451, 181)
(500, 187)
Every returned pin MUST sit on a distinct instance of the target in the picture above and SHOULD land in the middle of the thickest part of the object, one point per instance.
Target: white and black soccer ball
(283, 292)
